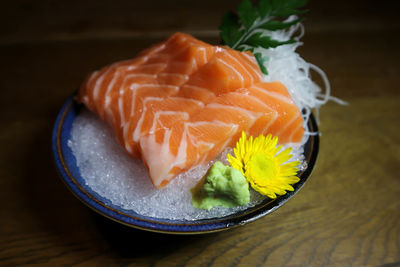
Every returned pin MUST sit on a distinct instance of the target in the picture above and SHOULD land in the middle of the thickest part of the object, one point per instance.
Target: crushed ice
(111, 173)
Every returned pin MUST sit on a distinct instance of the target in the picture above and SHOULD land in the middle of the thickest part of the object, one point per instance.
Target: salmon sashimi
(182, 102)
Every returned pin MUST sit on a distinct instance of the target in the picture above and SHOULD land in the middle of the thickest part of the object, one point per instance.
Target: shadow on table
(130, 242)
(48, 201)
(58, 215)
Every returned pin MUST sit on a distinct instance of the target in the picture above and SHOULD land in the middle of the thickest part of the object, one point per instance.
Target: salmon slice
(227, 71)
(181, 102)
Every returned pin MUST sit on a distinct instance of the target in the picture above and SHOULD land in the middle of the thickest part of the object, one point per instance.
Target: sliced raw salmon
(182, 102)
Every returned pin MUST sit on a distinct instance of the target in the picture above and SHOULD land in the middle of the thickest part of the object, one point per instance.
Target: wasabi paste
(221, 186)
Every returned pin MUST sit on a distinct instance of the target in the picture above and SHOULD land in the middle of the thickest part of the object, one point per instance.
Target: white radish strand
(287, 66)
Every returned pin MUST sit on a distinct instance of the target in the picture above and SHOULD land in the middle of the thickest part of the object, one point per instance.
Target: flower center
(262, 167)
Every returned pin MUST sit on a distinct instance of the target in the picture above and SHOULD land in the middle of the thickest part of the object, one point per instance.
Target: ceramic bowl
(66, 165)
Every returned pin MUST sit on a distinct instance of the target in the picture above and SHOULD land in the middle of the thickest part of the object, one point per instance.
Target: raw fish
(182, 102)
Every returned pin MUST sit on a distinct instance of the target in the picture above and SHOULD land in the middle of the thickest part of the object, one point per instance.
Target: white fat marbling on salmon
(157, 66)
(238, 74)
(246, 70)
(275, 95)
(96, 89)
(204, 52)
(285, 127)
(158, 157)
(137, 131)
(121, 111)
(156, 108)
(199, 89)
(181, 76)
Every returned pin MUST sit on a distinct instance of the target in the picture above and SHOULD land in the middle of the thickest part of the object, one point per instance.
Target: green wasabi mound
(221, 186)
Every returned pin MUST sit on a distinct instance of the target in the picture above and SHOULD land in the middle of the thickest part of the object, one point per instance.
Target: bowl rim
(63, 159)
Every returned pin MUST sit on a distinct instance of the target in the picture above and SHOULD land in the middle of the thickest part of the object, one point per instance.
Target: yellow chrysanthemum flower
(264, 168)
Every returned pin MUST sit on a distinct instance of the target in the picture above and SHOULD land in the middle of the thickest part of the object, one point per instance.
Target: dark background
(348, 212)
(50, 21)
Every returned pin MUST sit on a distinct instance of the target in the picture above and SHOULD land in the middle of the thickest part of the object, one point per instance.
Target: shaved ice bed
(111, 173)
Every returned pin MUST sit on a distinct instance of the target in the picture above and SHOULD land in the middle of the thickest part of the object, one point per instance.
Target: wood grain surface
(348, 212)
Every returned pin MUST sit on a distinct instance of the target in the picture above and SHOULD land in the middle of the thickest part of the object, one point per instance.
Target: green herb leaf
(265, 41)
(248, 28)
(261, 60)
(265, 8)
(230, 29)
(247, 13)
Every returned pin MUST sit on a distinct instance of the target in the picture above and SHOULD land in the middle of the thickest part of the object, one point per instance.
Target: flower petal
(264, 164)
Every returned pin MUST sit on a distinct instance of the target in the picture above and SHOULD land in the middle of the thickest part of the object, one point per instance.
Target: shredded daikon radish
(287, 66)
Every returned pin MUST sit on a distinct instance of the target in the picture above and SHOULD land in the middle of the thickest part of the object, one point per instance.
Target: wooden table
(347, 214)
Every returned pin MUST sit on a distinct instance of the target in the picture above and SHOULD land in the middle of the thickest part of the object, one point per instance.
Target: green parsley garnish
(245, 30)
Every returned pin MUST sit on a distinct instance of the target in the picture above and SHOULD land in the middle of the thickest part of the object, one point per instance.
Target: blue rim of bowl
(66, 165)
